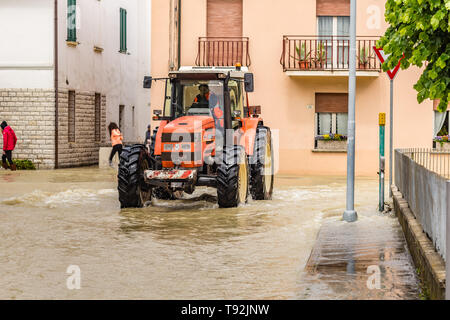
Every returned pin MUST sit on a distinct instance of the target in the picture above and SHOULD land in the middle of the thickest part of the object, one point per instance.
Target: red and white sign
(170, 174)
(383, 57)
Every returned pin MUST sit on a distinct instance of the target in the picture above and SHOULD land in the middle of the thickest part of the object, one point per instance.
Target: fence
(422, 176)
(223, 51)
(330, 53)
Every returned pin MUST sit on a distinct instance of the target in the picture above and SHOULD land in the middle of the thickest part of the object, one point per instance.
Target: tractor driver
(202, 99)
(209, 100)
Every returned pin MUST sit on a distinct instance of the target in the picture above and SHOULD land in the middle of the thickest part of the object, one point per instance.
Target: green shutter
(71, 20)
(123, 30)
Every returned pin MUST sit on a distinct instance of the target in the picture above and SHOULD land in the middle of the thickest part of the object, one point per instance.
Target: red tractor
(208, 136)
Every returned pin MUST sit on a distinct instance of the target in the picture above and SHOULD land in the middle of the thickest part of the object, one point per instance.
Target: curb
(430, 265)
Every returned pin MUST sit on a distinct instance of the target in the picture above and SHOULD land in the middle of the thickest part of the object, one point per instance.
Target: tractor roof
(219, 72)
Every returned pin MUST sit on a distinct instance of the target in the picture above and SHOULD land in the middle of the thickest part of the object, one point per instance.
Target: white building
(95, 68)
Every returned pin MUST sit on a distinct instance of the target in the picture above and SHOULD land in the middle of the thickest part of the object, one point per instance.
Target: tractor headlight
(168, 147)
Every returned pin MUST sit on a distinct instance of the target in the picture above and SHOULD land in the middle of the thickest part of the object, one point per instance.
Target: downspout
(55, 68)
(179, 35)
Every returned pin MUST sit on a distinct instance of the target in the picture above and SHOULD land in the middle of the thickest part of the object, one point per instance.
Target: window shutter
(123, 30)
(333, 8)
(224, 18)
(332, 102)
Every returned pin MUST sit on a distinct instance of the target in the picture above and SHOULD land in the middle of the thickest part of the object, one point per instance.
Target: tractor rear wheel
(158, 192)
(232, 177)
(261, 165)
(133, 191)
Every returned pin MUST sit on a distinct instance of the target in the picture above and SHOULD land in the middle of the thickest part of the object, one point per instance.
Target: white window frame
(334, 43)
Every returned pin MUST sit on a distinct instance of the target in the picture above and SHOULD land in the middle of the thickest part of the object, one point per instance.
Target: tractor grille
(181, 137)
(181, 156)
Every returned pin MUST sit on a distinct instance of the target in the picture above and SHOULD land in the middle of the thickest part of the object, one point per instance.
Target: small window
(71, 116)
(331, 116)
(72, 20)
(121, 116)
(123, 30)
(98, 108)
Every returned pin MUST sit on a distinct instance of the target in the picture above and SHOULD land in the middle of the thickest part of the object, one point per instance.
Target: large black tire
(232, 177)
(158, 192)
(133, 191)
(261, 165)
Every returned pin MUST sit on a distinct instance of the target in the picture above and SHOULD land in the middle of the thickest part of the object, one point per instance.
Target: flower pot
(304, 64)
(442, 146)
(362, 65)
(332, 144)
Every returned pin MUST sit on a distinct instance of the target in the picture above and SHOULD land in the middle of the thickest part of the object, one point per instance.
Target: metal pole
(350, 213)
(391, 135)
(382, 122)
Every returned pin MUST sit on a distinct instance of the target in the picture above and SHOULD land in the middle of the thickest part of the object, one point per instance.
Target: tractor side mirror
(148, 82)
(248, 81)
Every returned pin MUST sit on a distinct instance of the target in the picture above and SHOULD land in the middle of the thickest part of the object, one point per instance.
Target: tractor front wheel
(232, 177)
(133, 191)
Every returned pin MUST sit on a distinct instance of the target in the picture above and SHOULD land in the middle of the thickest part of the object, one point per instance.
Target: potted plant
(363, 58)
(303, 56)
(320, 56)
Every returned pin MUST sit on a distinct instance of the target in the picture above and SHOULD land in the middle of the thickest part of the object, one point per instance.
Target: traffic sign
(383, 57)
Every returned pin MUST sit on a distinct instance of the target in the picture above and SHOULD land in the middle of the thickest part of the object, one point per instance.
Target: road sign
(383, 57)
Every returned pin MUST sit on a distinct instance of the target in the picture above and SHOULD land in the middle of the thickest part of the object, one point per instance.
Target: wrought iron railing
(329, 53)
(223, 51)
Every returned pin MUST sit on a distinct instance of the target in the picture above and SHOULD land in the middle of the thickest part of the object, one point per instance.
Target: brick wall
(84, 151)
(31, 114)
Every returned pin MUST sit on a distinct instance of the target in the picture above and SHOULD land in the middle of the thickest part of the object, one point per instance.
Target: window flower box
(442, 142)
(331, 142)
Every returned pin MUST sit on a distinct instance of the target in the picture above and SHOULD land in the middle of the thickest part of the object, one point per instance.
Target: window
(121, 117)
(331, 114)
(123, 30)
(334, 34)
(72, 20)
(71, 117)
(97, 115)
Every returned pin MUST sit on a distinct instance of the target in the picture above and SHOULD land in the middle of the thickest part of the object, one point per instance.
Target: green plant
(303, 55)
(24, 164)
(321, 53)
(364, 56)
(420, 30)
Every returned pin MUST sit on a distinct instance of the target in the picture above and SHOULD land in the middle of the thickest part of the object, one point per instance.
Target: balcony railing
(223, 51)
(327, 53)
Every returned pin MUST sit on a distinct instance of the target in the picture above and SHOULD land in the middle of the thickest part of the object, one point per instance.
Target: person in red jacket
(9, 143)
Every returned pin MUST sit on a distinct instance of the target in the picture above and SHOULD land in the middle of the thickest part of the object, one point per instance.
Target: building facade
(298, 52)
(68, 69)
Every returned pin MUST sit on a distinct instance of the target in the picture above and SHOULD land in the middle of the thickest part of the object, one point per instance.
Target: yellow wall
(284, 99)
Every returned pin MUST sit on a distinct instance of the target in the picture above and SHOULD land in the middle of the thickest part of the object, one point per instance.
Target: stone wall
(31, 114)
(84, 151)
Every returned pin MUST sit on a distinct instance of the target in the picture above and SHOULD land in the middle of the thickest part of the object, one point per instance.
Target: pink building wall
(284, 99)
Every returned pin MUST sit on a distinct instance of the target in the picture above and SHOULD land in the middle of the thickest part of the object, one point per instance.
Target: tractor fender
(247, 138)
(159, 136)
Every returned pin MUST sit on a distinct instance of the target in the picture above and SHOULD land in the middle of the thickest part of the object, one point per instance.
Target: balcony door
(224, 32)
(334, 35)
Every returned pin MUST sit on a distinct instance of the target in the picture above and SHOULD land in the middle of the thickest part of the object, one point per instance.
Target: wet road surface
(190, 249)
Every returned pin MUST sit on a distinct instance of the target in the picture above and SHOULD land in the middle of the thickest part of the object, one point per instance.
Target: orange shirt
(116, 137)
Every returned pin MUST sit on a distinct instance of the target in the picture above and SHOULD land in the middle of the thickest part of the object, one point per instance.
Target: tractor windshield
(195, 97)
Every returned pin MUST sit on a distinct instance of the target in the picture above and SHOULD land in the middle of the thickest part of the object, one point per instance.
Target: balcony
(222, 52)
(328, 56)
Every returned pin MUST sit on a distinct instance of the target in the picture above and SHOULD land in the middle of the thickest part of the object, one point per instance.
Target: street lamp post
(350, 213)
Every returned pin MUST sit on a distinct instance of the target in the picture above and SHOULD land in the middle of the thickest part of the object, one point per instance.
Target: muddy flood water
(190, 249)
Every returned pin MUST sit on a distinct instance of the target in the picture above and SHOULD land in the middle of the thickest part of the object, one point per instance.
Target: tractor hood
(189, 124)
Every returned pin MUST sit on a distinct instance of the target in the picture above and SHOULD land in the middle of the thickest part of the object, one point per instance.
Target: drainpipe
(55, 68)
(179, 35)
